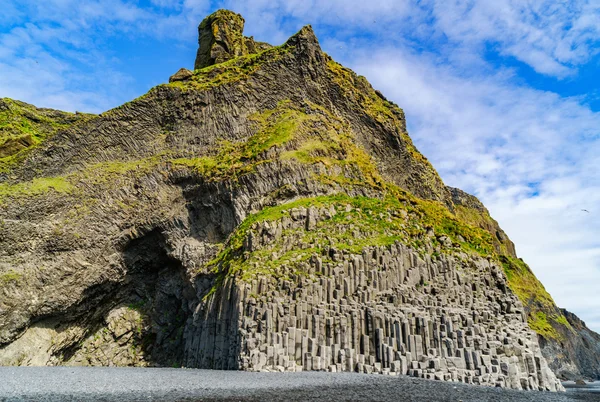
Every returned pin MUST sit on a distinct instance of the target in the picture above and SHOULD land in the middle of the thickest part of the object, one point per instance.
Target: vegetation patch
(24, 127)
(10, 277)
(230, 71)
(35, 187)
(534, 296)
(309, 135)
(481, 219)
(108, 172)
(231, 160)
(523, 282)
(383, 111)
(538, 321)
(309, 152)
(358, 222)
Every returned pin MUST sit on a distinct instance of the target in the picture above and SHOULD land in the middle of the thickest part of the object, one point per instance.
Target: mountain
(266, 211)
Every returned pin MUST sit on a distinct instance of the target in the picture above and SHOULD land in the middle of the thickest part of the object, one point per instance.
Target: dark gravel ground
(139, 384)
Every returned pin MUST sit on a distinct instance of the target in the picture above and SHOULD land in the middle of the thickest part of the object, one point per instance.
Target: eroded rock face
(577, 353)
(386, 310)
(175, 231)
(220, 38)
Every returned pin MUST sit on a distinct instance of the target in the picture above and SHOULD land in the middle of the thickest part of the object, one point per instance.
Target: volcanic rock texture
(267, 211)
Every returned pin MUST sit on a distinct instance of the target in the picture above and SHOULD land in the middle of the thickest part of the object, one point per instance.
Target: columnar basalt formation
(386, 310)
(266, 211)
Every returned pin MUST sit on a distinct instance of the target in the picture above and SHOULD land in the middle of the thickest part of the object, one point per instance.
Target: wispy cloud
(58, 53)
(552, 37)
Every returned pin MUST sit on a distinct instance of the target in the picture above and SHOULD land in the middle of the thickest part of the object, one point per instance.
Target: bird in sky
(585, 210)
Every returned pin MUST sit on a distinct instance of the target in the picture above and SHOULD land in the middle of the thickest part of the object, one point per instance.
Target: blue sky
(502, 96)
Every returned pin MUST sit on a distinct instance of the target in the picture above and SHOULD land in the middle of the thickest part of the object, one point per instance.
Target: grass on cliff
(35, 187)
(229, 161)
(483, 220)
(329, 141)
(369, 222)
(311, 138)
(534, 296)
(309, 135)
(233, 159)
(230, 71)
(23, 127)
(524, 283)
(378, 222)
(10, 277)
(358, 88)
(110, 171)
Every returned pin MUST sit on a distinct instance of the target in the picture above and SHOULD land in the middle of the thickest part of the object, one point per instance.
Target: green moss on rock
(35, 187)
(10, 277)
(231, 71)
(543, 316)
(358, 222)
(24, 127)
(220, 37)
(274, 127)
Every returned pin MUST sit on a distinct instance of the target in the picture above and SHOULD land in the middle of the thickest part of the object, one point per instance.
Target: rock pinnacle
(220, 38)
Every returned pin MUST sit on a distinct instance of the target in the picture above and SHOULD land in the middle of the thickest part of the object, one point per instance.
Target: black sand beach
(145, 384)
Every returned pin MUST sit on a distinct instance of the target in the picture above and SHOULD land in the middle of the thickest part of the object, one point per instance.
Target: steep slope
(23, 127)
(268, 211)
(572, 349)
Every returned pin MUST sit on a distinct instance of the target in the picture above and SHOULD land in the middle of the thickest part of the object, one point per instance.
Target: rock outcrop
(267, 212)
(183, 74)
(24, 126)
(386, 310)
(573, 350)
(220, 38)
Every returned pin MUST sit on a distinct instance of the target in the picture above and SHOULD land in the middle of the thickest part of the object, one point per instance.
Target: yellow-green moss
(232, 159)
(24, 127)
(562, 320)
(523, 282)
(103, 174)
(379, 222)
(328, 140)
(10, 277)
(311, 137)
(308, 152)
(534, 296)
(106, 172)
(540, 324)
(231, 71)
(437, 216)
(357, 88)
(35, 187)
(482, 219)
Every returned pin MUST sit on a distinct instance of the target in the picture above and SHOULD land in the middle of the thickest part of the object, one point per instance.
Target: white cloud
(176, 4)
(550, 36)
(59, 56)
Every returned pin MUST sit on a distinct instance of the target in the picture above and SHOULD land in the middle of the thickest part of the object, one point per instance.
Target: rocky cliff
(267, 211)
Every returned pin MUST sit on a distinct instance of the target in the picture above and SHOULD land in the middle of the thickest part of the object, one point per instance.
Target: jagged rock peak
(220, 38)
(305, 40)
